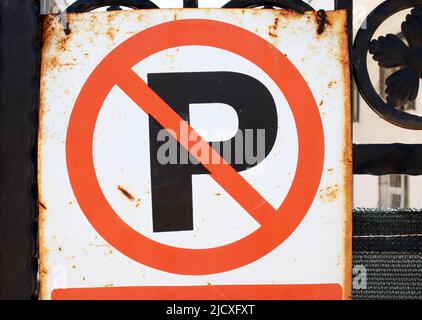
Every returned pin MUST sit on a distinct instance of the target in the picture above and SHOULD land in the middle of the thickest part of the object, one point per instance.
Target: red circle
(167, 258)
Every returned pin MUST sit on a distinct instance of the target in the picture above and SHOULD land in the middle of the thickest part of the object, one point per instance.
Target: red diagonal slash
(220, 170)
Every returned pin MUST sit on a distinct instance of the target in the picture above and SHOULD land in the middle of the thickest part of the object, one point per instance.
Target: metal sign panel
(195, 154)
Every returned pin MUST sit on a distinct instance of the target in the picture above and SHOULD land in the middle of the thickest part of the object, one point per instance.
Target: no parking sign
(194, 154)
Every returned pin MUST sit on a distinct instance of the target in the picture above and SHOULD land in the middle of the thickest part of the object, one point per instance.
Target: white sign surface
(259, 207)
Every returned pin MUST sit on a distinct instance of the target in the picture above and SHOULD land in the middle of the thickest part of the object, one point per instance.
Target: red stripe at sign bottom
(209, 292)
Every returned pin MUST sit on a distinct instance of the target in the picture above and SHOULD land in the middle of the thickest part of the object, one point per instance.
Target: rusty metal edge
(347, 7)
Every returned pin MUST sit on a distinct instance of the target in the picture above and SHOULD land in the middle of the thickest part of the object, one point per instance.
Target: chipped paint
(273, 28)
(66, 237)
(329, 194)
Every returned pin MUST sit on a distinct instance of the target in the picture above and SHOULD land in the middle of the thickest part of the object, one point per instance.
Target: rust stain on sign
(273, 28)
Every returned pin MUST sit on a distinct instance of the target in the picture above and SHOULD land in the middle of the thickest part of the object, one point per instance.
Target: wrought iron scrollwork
(391, 52)
(296, 5)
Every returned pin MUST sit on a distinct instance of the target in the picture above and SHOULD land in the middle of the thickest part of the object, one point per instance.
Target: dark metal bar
(347, 5)
(384, 159)
(360, 67)
(190, 3)
(297, 5)
(89, 5)
(19, 91)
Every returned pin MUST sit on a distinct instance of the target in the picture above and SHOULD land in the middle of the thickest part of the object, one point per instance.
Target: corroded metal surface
(74, 254)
